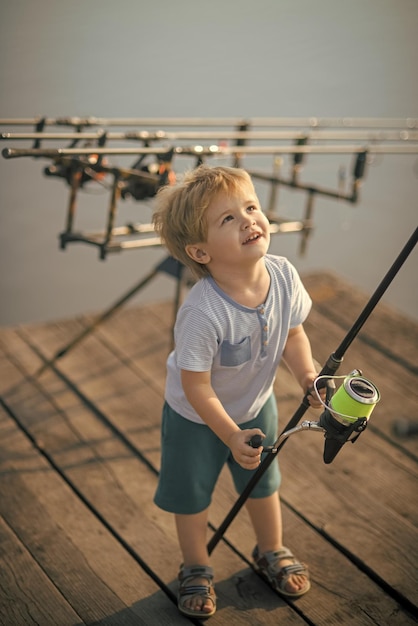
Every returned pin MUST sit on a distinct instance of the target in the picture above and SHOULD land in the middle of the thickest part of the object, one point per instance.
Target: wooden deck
(81, 541)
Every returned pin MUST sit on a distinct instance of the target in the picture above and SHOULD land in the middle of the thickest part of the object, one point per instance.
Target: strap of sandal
(272, 562)
(195, 571)
(273, 556)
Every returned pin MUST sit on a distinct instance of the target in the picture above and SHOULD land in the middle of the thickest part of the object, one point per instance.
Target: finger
(253, 465)
(251, 454)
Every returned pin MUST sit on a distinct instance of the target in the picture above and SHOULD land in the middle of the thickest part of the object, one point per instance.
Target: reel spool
(347, 412)
(356, 398)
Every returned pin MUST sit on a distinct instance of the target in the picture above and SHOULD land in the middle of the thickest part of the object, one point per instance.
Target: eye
(227, 218)
(252, 208)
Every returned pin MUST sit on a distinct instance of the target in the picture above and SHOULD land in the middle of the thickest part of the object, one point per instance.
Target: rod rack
(79, 164)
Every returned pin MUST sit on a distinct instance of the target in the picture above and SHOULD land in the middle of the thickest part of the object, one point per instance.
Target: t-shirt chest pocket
(233, 354)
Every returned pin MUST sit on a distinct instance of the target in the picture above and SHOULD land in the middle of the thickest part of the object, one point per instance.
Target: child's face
(238, 231)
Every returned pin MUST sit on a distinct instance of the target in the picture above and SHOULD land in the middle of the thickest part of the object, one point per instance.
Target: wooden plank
(27, 595)
(82, 578)
(91, 570)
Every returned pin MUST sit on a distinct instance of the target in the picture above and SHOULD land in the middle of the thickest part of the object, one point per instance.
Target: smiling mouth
(252, 238)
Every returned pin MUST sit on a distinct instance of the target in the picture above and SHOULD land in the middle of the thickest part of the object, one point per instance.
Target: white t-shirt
(241, 346)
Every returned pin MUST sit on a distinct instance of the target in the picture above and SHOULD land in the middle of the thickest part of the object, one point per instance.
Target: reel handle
(256, 441)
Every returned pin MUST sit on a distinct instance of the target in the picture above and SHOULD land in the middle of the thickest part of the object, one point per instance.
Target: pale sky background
(286, 58)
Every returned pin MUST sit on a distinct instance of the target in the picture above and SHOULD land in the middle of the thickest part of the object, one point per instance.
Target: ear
(197, 253)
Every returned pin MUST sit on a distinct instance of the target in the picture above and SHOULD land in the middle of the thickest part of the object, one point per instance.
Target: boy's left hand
(313, 399)
(249, 458)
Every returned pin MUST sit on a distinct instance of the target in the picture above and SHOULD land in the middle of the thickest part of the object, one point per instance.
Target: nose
(248, 220)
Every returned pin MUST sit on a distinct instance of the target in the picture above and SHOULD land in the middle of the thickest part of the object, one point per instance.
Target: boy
(239, 320)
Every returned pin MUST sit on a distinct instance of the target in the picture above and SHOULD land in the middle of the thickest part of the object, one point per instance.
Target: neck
(247, 286)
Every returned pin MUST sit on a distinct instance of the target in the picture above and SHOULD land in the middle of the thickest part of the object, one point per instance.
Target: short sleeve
(301, 302)
(196, 340)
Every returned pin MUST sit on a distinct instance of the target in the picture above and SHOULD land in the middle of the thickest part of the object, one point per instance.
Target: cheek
(265, 221)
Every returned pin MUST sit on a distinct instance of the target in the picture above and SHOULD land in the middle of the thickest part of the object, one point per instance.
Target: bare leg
(266, 518)
(191, 532)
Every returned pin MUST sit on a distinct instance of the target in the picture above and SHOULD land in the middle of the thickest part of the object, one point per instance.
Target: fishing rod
(158, 135)
(311, 122)
(220, 150)
(337, 431)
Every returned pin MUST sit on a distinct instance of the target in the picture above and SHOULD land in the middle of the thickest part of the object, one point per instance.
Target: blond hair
(180, 209)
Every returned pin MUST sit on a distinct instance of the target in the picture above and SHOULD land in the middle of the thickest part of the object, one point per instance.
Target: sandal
(188, 591)
(268, 565)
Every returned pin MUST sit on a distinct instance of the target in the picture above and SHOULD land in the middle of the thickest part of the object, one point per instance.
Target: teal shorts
(192, 457)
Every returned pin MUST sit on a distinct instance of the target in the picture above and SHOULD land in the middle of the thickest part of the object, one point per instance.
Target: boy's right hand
(239, 443)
